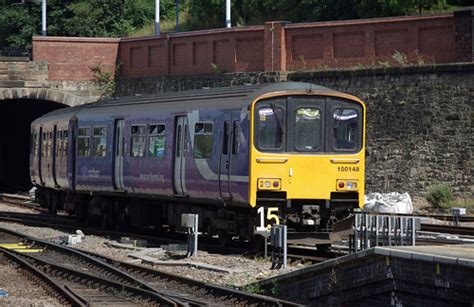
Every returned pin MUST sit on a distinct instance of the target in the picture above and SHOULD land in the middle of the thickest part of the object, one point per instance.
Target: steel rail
(214, 289)
(107, 282)
(73, 298)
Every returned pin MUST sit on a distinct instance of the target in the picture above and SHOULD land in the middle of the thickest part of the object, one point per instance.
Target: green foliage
(253, 288)
(400, 58)
(439, 196)
(106, 80)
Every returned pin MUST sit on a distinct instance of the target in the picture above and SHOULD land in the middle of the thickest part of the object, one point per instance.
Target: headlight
(273, 184)
(346, 185)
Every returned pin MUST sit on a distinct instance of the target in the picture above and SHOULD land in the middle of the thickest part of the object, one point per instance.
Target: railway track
(118, 282)
(20, 201)
(459, 230)
(211, 245)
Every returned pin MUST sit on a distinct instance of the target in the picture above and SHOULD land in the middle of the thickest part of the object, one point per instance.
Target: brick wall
(71, 58)
(238, 49)
(368, 42)
(275, 46)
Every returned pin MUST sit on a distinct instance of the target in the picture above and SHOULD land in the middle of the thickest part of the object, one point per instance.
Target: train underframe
(225, 220)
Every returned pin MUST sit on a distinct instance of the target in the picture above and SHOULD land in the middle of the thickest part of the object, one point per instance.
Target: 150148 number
(348, 168)
(272, 214)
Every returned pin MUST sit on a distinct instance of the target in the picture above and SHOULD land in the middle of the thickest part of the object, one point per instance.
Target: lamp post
(227, 14)
(157, 17)
(177, 15)
(43, 19)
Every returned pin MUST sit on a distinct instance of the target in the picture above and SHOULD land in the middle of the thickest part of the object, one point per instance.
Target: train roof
(206, 98)
(244, 94)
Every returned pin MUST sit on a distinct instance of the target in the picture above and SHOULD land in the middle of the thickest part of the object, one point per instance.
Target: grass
(168, 25)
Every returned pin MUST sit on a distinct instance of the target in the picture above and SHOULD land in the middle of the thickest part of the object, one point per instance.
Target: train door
(40, 155)
(54, 156)
(180, 149)
(225, 156)
(119, 144)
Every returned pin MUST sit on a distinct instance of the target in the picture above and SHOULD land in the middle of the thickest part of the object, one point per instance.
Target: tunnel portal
(16, 116)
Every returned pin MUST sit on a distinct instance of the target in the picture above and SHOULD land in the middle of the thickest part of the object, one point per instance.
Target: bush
(439, 196)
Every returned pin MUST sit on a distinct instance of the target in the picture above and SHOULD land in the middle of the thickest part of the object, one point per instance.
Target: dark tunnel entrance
(16, 116)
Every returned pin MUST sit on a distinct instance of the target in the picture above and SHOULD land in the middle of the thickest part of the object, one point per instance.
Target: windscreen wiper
(279, 122)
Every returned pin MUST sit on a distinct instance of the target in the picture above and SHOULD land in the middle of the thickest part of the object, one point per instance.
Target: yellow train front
(307, 158)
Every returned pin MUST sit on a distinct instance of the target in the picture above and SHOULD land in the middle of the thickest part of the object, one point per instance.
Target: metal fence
(372, 230)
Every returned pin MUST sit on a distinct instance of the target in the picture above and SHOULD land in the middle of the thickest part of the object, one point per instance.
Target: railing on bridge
(372, 230)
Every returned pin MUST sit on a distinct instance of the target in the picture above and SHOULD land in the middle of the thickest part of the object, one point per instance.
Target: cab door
(225, 156)
(180, 149)
(119, 144)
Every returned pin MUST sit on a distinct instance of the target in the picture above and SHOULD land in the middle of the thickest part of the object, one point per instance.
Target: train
(243, 158)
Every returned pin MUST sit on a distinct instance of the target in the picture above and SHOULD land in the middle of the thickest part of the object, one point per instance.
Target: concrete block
(422, 257)
(400, 254)
(445, 260)
(384, 251)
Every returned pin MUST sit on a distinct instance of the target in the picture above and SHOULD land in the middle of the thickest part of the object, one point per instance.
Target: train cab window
(270, 128)
(83, 142)
(203, 140)
(99, 142)
(59, 144)
(138, 139)
(345, 126)
(156, 138)
(307, 129)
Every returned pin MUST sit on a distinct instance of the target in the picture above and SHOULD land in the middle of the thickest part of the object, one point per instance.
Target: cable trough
(133, 283)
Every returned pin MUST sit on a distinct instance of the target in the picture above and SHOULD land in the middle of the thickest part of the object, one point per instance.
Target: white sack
(393, 202)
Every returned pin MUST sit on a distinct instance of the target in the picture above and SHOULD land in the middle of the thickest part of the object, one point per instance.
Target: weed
(303, 62)
(384, 64)
(439, 196)
(253, 288)
(106, 80)
(400, 58)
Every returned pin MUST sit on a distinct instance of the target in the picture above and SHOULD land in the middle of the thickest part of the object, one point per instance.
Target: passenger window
(99, 142)
(44, 142)
(59, 144)
(156, 140)
(65, 143)
(235, 140)
(203, 140)
(137, 148)
(83, 142)
(344, 129)
(35, 144)
(307, 129)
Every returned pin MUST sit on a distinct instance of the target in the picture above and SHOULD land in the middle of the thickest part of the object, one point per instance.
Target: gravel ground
(242, 270)
(20, 289)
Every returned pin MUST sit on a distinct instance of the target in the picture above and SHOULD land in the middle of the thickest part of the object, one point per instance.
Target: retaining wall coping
(14, 59)
(430, 257)
(369, 21)
(65, 39)
(434, 68)
(195, 33)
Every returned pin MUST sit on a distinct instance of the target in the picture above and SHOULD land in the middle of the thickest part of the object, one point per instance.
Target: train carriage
(241, 157)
